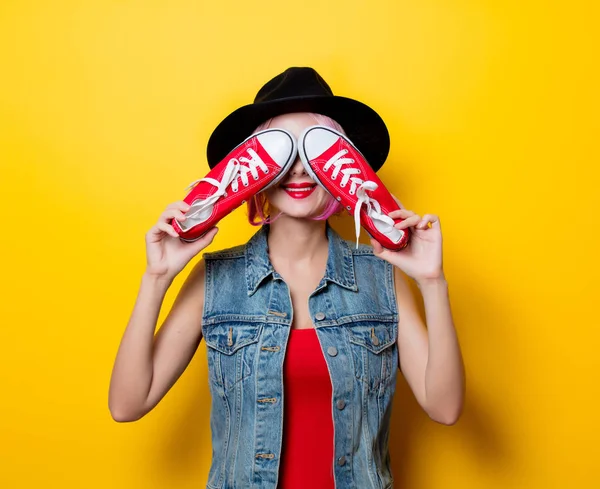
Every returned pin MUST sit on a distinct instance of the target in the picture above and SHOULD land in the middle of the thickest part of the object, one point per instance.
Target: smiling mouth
(298, 187)
(299, 190)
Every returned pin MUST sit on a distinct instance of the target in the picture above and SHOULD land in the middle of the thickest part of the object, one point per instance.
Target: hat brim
(363, 126)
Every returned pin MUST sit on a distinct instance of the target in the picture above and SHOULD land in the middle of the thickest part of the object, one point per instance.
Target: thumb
(396, 258)
(379, 251)
(205, 240)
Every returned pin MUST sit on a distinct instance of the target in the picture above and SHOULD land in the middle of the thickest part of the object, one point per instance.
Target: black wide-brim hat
(302, 90)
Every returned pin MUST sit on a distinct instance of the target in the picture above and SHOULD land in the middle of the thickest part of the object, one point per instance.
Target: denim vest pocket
(373, 346)
(231, 352)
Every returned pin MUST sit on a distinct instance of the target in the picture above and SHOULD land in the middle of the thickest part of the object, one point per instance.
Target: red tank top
(307, 454)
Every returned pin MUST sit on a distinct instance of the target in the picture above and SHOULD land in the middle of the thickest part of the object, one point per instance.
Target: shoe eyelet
(332, 177)
(339, 199)
(266, 171)
(256, 178)
(348, 207)
(245, 184)
(351, 192)
(342, 185)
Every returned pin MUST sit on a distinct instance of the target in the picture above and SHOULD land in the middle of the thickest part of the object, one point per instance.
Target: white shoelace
(233, 172)
(360, 188)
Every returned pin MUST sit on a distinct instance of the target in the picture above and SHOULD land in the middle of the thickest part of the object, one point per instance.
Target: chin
(297, 210)
(299, 214)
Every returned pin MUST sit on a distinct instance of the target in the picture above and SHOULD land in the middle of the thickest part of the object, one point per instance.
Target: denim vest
(246, 324)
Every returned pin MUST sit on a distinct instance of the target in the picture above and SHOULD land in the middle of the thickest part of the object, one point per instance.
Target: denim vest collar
(339, 269)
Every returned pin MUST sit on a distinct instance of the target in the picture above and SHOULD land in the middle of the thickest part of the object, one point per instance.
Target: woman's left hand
(422, 257)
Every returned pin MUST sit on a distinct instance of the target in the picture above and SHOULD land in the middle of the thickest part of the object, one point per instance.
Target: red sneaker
(258, 162)
(334, 162)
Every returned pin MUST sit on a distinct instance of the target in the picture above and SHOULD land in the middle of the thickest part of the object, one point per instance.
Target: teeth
(304, 189)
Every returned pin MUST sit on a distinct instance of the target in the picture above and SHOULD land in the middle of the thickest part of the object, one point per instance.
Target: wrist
(432, 282)
(157, 280)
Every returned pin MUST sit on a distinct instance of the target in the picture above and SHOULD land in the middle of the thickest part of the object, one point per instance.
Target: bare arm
(430, 356)
(149, 364)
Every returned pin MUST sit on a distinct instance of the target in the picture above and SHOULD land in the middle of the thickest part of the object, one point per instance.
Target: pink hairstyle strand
(258, 206)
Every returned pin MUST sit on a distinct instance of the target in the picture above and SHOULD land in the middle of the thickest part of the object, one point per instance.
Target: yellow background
(105, 111)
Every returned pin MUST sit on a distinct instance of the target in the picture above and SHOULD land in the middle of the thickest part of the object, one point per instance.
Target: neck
(295, 241)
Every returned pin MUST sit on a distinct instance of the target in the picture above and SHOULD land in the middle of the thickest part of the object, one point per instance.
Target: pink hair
(258, 207)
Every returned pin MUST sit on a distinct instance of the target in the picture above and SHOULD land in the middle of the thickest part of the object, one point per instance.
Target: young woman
(305, 332)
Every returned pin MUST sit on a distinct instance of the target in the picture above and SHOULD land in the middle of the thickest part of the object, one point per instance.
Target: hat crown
(294, 82)
(302, 89)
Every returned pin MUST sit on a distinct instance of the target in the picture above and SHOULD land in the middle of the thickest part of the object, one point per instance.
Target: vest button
(320, 316)
(341, 404)
(342, 460)
(332, 351)
(375, 341)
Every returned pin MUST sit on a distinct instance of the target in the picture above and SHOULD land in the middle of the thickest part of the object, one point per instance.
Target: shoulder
(237, 251)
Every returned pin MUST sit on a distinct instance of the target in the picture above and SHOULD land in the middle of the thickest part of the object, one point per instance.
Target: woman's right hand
(166, 254)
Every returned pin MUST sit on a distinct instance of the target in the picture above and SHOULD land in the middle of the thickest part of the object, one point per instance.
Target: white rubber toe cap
(317, 140)
(280, 145)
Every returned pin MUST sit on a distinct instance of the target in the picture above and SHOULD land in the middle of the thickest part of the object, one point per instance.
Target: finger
(207, 239)
(180, 205)
(180, 216)
(156, 233)
(427, 220)
(393, 257)
(172, 214)
(435, 221)
(402, 213)
(407, 223)
(377, 248)
(167, 228)
(198, 245)
(379, 251)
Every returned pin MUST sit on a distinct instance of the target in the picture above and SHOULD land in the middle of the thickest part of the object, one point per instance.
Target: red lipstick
(299, 190)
